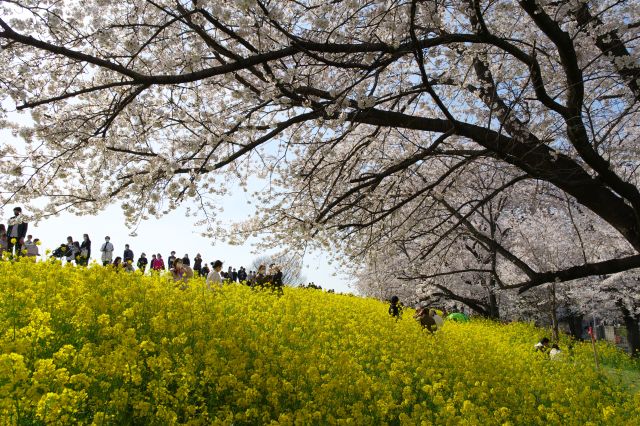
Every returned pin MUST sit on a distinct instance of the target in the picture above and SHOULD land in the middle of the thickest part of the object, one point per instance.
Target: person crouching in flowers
(181, 273)
(424, 316)
(542, 345)
(127, 265)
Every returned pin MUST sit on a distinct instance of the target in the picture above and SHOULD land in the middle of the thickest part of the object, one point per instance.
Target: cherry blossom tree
(362, 113)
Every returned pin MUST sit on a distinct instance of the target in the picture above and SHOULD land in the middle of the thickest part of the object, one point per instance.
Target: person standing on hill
(85, 250)
(127, 256)
(159, 263)
(107, 251)
(142, 262)
(205, 270)
(152, 263)
(32, 250)
(4, 244)
(197, 264)
(276, 279)
(242, 274)
(186, 261)
(4, 241)
(71, 253)
(395, 308)
(214, 276)
(171, 259)
(16, 230)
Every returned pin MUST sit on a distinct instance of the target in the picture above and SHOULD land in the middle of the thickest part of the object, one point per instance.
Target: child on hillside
(395, 308)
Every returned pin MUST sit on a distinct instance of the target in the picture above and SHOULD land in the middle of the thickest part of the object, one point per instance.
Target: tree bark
(633, 331)
(494, 309)
(575, 326)
(554, 314)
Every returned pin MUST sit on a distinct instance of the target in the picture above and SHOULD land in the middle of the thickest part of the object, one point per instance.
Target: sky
(173, 232)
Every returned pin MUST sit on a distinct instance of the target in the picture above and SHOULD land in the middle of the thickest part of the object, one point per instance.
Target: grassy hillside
(94, 346)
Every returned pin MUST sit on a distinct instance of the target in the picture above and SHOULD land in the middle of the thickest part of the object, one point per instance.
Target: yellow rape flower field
(91, 346)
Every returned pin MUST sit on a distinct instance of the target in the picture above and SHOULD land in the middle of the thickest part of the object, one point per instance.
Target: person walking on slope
(107, 251)
(395, 308)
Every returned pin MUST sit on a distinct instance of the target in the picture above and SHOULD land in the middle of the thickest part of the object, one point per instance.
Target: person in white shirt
(214, 276)
(555, 352)
(438, 320)
(107, 251)
(32, 247)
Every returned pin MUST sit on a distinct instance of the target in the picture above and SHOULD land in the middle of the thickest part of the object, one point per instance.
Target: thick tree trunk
(494, 310)
(554, 314)
(633, 331)
(575, 326)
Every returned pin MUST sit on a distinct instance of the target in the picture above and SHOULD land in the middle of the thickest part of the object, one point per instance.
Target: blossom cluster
(92, 346)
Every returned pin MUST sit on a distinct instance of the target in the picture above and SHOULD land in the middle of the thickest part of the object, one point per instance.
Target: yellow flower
(89, 345)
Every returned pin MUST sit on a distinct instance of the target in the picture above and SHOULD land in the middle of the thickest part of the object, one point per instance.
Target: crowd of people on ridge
(15, 241)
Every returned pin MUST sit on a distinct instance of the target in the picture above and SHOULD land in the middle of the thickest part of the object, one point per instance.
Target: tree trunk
(575, 326)
(554, 315)
(633, 332)
(494, 310)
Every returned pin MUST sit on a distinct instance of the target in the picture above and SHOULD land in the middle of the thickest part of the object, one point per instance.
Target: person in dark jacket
(171, 259)
(16, 230)
(142, 262)
(204, 272)
(127, 256)
(395, 308)
(242, 274)
(85, 250)
(186, 261)
(276, 278)
(197, 264)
